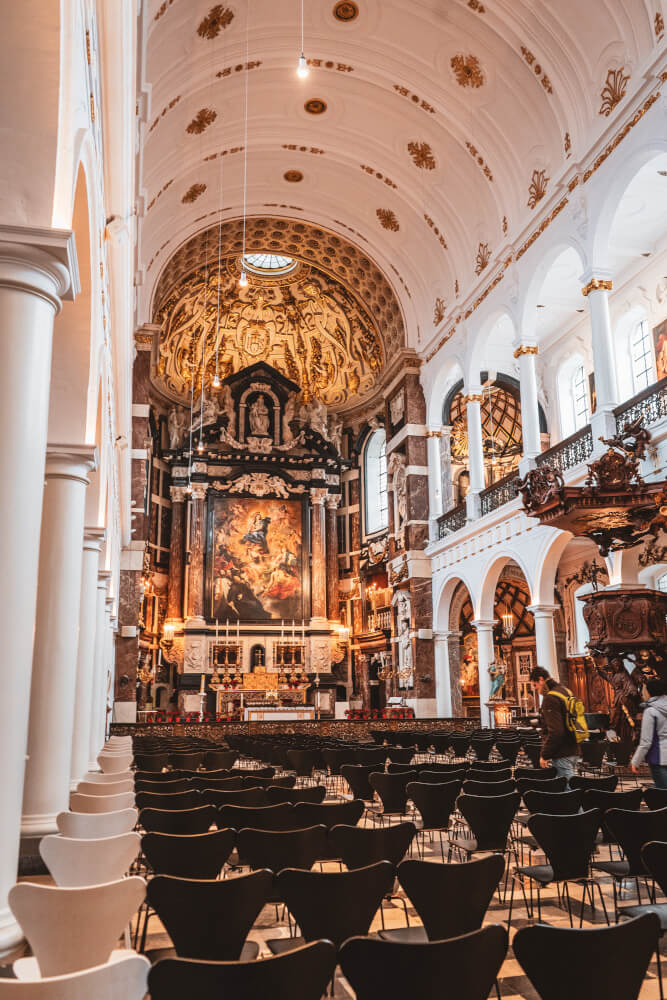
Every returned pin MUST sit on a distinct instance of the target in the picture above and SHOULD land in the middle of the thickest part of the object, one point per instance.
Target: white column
(53, 687)
(35, 269)
(596, 291)
(485, 657)
(530, 412)
(433, 435)
(85, 659)
(624, 568)
(99, 672)
(545, 637)
(443, 684)
(110, 666)
(473, 402)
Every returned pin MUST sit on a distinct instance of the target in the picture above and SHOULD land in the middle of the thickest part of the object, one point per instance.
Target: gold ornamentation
(473, 397)
(293, 176)
(456, 286)
(537, 69)
(505, 225)
(541, 228)
(167, 107)
(537, 188)
(162, 9)
(201, 121)
(388, 219)
(378, 175)
(330, 64)
(482, 259)
(404, 92)
(468, 71)
(422, 155)
(401, 573)
(439, 311)
(613, 91)
(346, 11)
(303, 149)
(659, 25)
(217, 19)
(567, 144)
(525, 349)
(315, 106)
(223, 152)
(480, 161)
(596, 285)
(193, 192)
(477, 6)
(618, 139)
(238, 68)
(159, 194)
(431, 224)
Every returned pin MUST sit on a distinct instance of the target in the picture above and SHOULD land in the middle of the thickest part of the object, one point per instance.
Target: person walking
(652, 746)
(559, 745)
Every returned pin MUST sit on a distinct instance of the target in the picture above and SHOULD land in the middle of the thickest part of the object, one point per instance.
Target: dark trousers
(659, 773)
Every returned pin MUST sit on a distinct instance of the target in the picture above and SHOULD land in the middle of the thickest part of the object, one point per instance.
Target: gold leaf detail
(482, 259)
(505, 225)
(439, 310)
(468, 71)
(193, 192)
(484, 167)
(422, 155)
(415, 98)
(537, 188)
(201, 121)
(613, 91)
(388, 219)
(567, 144)
(431, 224)
(217, 19)
(659, 25)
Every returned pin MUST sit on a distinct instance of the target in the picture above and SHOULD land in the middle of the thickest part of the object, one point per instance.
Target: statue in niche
(400, 487)
(176, 425)
(405, 661)
(206, 412)
(288, 416)
(497, 673)
(227, 409)
(336, 433)
(258, 417)
(315, 414)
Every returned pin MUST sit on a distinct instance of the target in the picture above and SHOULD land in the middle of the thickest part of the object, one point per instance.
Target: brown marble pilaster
(318, 584)
(197, 545)
(332, 502)
(355, 546)
(175, 591)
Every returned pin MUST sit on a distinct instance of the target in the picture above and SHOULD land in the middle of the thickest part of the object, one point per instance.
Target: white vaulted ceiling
(528, 99)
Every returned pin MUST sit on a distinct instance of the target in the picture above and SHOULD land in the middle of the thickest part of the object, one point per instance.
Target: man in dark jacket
(559, 745)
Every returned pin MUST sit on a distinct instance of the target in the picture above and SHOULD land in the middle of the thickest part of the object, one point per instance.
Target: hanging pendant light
(216, 381)
(302, 69)
(243, 280)
(507, 619)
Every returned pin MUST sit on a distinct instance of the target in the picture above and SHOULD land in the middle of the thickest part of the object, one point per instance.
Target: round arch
(535, 279)
(485, 605)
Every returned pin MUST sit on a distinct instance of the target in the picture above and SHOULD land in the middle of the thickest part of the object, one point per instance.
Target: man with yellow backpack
(563, 722)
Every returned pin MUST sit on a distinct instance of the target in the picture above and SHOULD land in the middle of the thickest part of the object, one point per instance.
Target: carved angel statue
(316, 417)
(336, 432)
(227, 409)
(405, 660)
(176, 426)
(289, 415)
(259, 416)
(206, 413)
(497, 675)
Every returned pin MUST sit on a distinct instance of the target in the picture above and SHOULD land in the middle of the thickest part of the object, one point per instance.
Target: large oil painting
(256, 556)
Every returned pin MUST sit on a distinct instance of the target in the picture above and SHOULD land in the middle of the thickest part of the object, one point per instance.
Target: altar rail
(357, 729)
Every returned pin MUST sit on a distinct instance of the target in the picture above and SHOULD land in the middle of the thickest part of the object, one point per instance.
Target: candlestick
(216, 630)
(159, 656)
(303, 631)
(227, 630)
(238, 630)
(282, 629)
(202, 686)
(293, 630)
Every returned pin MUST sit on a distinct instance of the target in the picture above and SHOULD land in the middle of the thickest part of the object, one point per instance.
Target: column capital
(484, 625)
(177, 493)
(333, 501)
(198, 491)
(70, 461)
(525, 349)
(473, 397)
(445, 636)
(41, 261)
(543, 610)
(93, 538)
(318, 495)
(103, 579)
(595, 280)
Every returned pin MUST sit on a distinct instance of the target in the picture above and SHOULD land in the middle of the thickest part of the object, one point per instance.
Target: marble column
(35, 269)
(176, 551)
(596, 292)
(85, 658)
(530, 413)
(318, 581)
(443, 688)
(98, 709)
(485, 657)
(53, 686)
(475, 452)
(435, 477)
(197, 548)
(332, 501)
(545, 638)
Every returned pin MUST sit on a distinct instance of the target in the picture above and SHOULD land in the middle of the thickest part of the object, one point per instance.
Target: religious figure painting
(256, 560)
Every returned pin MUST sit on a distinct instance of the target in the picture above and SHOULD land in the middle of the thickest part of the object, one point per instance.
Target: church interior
(336, 628)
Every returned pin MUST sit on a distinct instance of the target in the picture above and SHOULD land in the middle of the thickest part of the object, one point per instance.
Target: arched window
(642, 357)
(582, 412)
(375, 483)
(662, 583)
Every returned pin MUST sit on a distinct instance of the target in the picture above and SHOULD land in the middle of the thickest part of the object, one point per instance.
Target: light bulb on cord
(216, 381)
(200, 446)
(243, 280)
(302, 69)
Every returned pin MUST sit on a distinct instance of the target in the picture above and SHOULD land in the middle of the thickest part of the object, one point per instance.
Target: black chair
(582, 964)
(361, 846)
(441, 777)
(655, 798)
(209, 920)
(437, 768)
(241, 797)
(592, 755)
(488, 787)
(312, 793)
(200, 855)
(482, 745)
(151, 761)
(524, 785)
(594, 798)
(508, 749)
(256, 772)
(603, 784)
(219, 784)
(159, 776)
(484, 774)
(462, 967)
(490, 818)
(568, 842)
(278, 849)
(487, 765)
(164, 787)
(177, 800)
(631, 829)
(357, 775)
(186, 760)
(178, 821)
(450, 899)
(553, 803)
(278, 817)
(220, 758)
(303, 762)
(538, 773)
(332, 905)
(392, 791)
(399, 755)
(436, 803)
(329, 814)
(304, 973)
(460, 744)
(287, 781)
(654, 857)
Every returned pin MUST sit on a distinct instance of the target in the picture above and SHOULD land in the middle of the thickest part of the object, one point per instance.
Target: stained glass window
(271, 263)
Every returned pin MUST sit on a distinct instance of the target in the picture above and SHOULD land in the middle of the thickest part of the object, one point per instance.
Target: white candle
(292, 630)
(202, 687)
(227, 629)
(238, 629)
(303, 630)
(159, 656)
(216, 629)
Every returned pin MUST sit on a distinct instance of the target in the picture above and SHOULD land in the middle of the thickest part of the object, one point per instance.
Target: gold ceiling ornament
(482, 259)
(378, 175)
(537, 188)
(477, 6)
(315, 106)
(304, 324)
(468, 71)
(346, 11)
(201, 121)
(431, 224)
(330, 64)
(659, 25)
(505, 225)
(303, 149)
(567, 145)
(159, 194)
(537, 69)
(217, 19)
(238, 68)
(613, 91)
(194, 191)
(420, 102)
(293, 176)
(162, 9)
(388, 219)
(458, 441)
(597, 285)
(439, 310)
(456, 287)
(223, 152)
(422, 155)
(480, 161)
(525, 349)
(167, 107)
